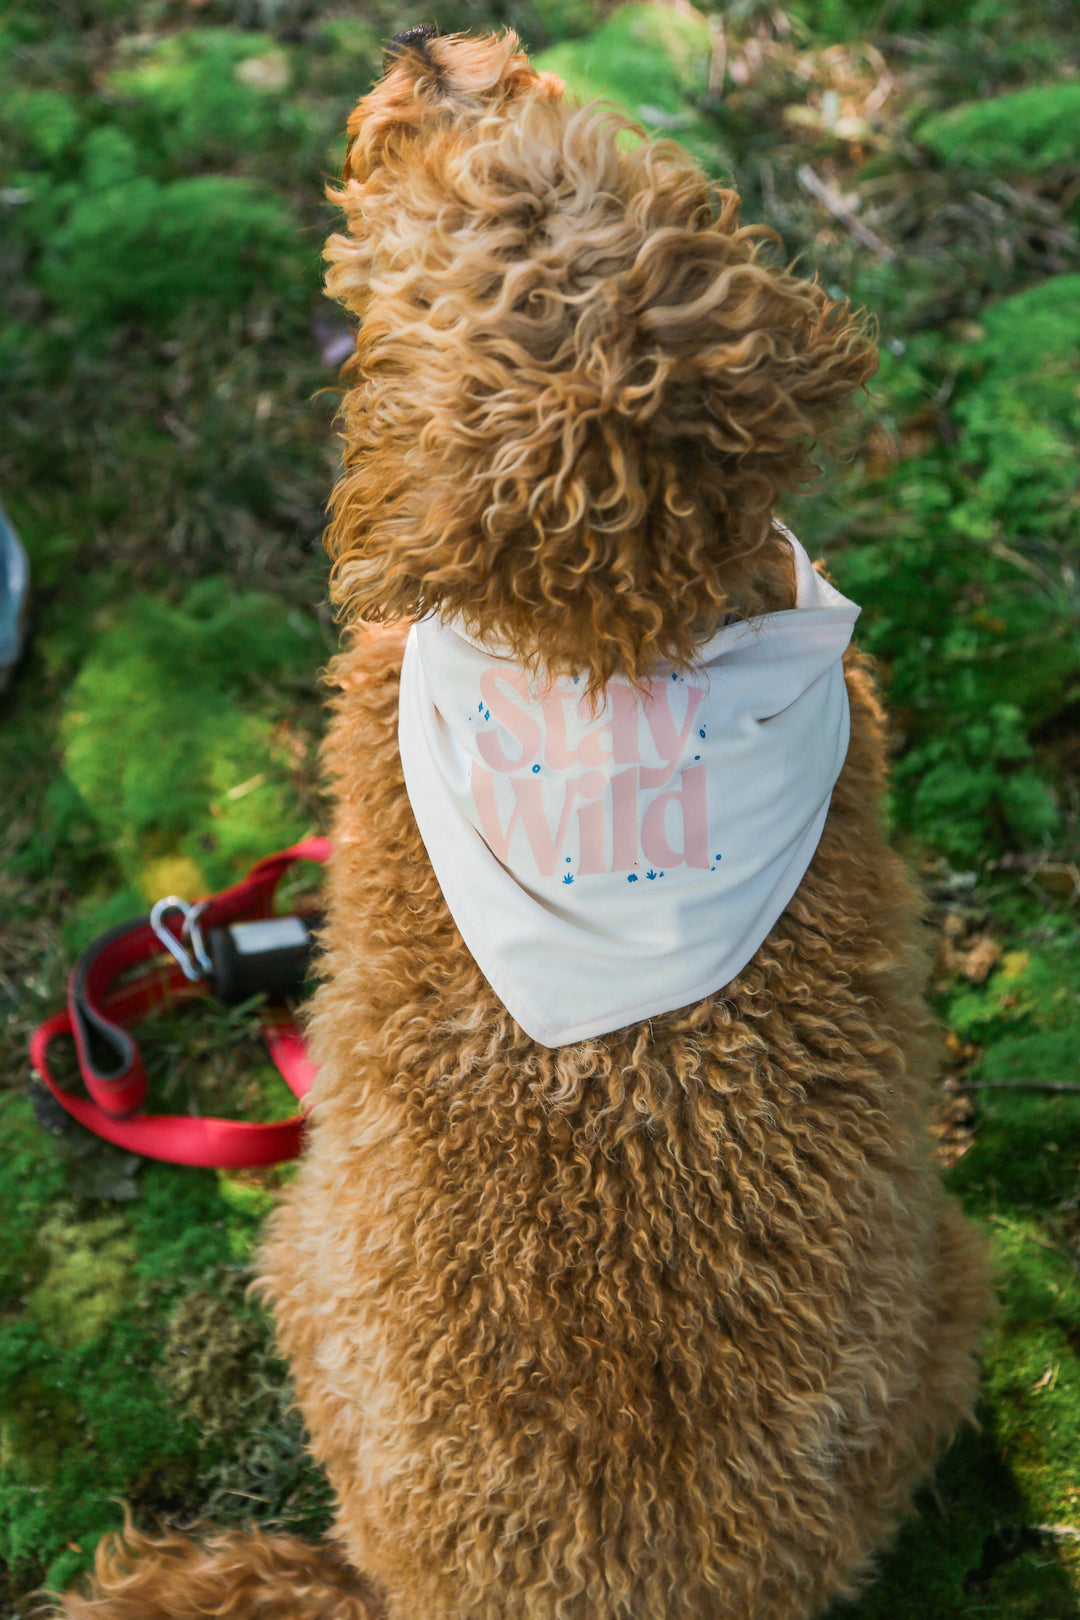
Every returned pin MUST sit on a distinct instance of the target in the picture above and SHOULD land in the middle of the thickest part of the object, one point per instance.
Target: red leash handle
(109, 1059)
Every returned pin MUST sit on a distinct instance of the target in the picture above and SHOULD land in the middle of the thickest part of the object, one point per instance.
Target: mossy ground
(167, 376)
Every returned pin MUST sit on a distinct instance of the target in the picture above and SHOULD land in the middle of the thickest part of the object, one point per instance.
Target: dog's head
(578, 391)
(430, 80)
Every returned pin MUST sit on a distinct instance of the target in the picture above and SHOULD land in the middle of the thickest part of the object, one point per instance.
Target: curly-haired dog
(645, 1303)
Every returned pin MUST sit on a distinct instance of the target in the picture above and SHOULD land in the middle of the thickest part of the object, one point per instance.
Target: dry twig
(831, 199)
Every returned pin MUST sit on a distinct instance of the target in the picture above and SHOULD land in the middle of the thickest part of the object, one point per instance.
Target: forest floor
(167, 389)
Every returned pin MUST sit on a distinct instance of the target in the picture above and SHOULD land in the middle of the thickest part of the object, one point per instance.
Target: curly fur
(578, 390)
(234, 1576)
(665, 1325)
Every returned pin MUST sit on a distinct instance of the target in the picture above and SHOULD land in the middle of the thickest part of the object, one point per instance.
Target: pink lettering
(624, 852)
(625, 716)
(611, 739)
(591, 786)
(558, 755)
(528, 811)
(614, 739)
(690, 798)
(669, 739)
(521, 726)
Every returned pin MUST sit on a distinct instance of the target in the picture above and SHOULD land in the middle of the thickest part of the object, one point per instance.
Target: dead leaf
(953, 1126)
(1049, 1377)
(981, 956)
(269, 72)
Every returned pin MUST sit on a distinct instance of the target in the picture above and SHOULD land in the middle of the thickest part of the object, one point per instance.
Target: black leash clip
(267, 956)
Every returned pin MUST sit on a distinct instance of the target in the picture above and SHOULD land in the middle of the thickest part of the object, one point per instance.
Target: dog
(617, 1282)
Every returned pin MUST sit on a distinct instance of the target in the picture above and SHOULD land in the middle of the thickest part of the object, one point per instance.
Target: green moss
(36, 1433)
(86, 1415)
(1024, 131)
(207, 1367)
(943, 1560)
(248, 1202)
(1017, 23)
(1031, 342)
(1033, 1379)
(1020, 1174)
(1025, 1023)
(1019, 988)
(204, 95)
(1025, 472)
(977, 779)
(182, 685)
(77, 1418)
(652, 62)
(1019, 410)
(42, 124)
(836, 20)
(350, 37)
(561, 19)
(965, 594)
(85, 1284)
(125, 247)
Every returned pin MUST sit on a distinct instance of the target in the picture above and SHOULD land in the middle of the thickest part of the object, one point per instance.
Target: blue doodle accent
(650, 875)
(480, 707)
(632, 878)
(536, 770)
(487, 714)
(718, 857)
(674, 675)
(568, 860)
(569, 878)
(696, 758)
(701, 733)
(576, 680)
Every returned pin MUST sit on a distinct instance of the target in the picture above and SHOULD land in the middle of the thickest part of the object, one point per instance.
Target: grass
(167, 384)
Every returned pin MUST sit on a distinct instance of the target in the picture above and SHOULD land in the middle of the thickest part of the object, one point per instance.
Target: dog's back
(667, 1324)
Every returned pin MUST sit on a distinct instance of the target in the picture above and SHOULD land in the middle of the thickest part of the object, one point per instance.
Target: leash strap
(99, 1009)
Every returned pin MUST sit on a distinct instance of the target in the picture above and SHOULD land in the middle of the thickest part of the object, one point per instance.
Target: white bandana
(603, 868)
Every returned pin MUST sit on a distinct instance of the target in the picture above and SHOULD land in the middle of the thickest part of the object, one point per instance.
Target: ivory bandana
(603, 868)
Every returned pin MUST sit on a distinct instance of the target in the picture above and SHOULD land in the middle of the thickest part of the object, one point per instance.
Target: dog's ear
(432, 78)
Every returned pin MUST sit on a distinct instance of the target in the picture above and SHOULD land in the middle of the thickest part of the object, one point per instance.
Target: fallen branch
(1060, 1532)
(831, 199)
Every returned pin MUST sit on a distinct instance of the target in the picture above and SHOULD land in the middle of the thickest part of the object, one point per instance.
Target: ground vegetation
(167, 389)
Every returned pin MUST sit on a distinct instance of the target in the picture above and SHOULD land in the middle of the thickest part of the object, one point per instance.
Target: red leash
(99, 1009)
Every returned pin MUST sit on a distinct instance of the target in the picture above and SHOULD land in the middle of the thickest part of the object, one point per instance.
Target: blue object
(14, 594)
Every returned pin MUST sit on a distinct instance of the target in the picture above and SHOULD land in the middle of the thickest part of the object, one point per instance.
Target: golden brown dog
(665, 1324)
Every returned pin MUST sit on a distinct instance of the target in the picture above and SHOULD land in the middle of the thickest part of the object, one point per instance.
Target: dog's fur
(665, 1325)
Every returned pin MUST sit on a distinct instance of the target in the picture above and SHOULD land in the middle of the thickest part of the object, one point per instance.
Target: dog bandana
(605, 867)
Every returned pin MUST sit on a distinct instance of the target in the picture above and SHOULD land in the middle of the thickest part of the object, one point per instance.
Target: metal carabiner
(195, 964)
